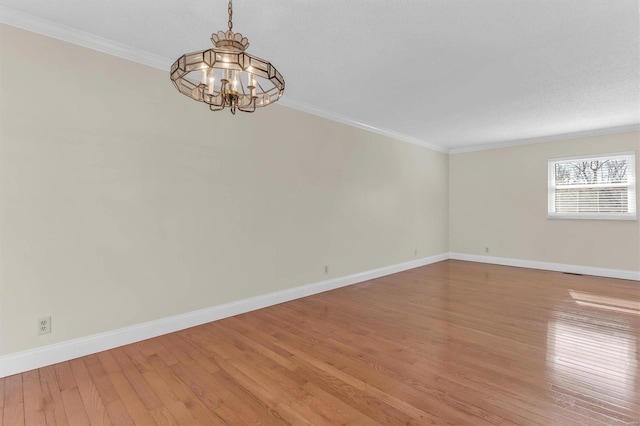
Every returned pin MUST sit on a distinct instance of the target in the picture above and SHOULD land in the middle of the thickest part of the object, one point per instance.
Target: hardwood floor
(449, 343)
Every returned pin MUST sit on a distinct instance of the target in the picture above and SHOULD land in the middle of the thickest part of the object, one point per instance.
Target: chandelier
(226, 76)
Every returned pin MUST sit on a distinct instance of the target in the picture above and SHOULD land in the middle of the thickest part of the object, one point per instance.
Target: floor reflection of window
(592, 346)
(604, 302)
(592, 356)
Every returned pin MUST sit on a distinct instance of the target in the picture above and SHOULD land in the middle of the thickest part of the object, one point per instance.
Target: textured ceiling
(454, 73)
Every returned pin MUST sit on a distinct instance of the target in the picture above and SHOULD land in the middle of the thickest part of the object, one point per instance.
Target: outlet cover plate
(44, 325)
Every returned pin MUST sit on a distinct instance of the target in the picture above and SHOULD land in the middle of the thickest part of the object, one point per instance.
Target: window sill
(592, 217)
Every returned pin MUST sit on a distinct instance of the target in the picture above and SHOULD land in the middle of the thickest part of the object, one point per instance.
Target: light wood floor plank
(33, 399)
(110, 398)
(73, 407)
(94, 406)
(141, 399)
(52, 399)
(13, 410)
(2, 383)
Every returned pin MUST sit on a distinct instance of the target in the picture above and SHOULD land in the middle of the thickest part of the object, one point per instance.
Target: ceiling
(450, 74)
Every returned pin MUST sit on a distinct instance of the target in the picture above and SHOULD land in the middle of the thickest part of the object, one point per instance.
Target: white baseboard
(559, 267)
(19, 362)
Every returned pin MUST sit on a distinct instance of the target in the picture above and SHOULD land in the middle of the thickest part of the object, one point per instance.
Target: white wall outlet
(326, 269)
(44, 325)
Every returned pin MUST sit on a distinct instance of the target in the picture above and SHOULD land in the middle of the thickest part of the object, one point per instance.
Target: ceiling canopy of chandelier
(226, 76)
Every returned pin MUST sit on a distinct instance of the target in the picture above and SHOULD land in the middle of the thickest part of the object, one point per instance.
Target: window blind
(602, 187)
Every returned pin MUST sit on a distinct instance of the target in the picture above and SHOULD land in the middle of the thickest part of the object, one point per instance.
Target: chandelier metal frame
(226, 76)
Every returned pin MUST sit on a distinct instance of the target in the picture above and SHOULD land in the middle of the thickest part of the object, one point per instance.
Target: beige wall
(122, 201)
(498, 199)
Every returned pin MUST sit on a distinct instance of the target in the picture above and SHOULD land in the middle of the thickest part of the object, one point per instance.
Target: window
(594, 187)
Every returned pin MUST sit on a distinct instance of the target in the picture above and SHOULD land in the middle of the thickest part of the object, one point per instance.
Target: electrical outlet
(44, 325)
(486, 249)
(326, 269)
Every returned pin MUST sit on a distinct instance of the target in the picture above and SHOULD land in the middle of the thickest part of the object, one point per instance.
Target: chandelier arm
(248, 100)
(204, 90)
(253, 106)
(208, 98)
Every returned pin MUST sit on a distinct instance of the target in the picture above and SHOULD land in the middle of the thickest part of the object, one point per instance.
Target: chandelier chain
(230, 9)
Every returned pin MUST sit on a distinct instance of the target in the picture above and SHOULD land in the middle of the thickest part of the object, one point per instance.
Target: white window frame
(631, 188)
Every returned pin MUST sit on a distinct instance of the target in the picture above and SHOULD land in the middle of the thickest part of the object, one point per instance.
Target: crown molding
(550, 138)
(58, 31)
(301, 106)
(68, 34)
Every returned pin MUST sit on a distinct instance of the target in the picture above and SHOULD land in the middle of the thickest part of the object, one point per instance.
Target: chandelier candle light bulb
(230, 57)
(234, 81)
(212, 80)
